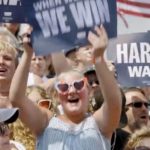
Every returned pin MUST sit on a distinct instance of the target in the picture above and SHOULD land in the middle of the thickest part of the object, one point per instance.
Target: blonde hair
(137, 137)
(22, 134)
(54, 97)
(6, 47)
(37, 88)
(43, 93)
(73, 71)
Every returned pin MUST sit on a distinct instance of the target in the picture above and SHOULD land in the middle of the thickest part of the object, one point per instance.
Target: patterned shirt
(62, 136)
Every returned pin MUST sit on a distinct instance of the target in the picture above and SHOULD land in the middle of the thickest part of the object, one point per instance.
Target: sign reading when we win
(64, 24)
(60, 24)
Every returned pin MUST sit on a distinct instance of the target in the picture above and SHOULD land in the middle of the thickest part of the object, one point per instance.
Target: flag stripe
(133, 8)
(135, 13)
(134, 3)
(141, 1)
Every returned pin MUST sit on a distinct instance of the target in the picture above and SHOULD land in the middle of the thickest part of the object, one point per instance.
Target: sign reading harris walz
(63, 24)
(12, 11)
(132, 58)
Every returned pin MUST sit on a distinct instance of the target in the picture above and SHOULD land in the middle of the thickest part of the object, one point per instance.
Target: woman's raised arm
(33, 116)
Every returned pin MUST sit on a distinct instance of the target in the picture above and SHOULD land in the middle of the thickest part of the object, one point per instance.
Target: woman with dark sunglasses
(74, 129)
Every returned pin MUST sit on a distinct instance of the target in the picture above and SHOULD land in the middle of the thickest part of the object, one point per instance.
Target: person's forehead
(84, 47)
(70, 76)
(38, 57)
(134, 95)
(7, 53)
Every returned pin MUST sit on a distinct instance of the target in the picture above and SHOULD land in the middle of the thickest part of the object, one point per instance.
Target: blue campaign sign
(63, 24)
(131, 54)
(12, 11)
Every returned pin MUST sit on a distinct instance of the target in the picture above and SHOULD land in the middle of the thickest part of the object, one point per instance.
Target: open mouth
(143, 117)
(76, 100)
(2, 71)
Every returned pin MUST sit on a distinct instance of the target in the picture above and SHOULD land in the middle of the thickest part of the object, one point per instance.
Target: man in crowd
(137, 109)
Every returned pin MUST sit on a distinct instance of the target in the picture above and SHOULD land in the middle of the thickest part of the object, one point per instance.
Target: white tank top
(62, 136)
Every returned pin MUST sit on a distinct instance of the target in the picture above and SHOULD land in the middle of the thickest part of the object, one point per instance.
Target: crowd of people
(81, 106)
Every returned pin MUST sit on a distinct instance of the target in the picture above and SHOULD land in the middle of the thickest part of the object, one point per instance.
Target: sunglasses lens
(79, 85)
(63, 87)
(146, 105)
(44, 103)
(96, 82)
(93, 82)
(139, 104)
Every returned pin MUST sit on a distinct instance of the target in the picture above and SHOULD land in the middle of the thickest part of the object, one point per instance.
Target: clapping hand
(99, 41)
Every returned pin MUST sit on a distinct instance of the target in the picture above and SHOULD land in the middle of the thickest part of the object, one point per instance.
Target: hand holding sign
(99, 41)
(27, 44)
(64, 24)
(60, 24)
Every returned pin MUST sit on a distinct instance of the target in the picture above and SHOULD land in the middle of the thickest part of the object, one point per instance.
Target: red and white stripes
(134, 7)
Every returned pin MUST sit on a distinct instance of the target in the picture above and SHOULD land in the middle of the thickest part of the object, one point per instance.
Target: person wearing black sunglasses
(136, 109)
(96, 99)
(74, 129)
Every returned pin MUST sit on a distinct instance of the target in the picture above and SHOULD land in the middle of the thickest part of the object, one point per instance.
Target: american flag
(139, 8)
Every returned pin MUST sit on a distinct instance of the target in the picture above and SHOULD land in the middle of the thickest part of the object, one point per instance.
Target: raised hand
(99, 41)
(27, 43)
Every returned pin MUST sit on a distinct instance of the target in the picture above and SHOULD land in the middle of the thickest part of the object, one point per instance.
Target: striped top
(61, 136)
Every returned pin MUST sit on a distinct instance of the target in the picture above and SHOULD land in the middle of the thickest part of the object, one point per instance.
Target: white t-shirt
(32, 79)
(18, 145)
